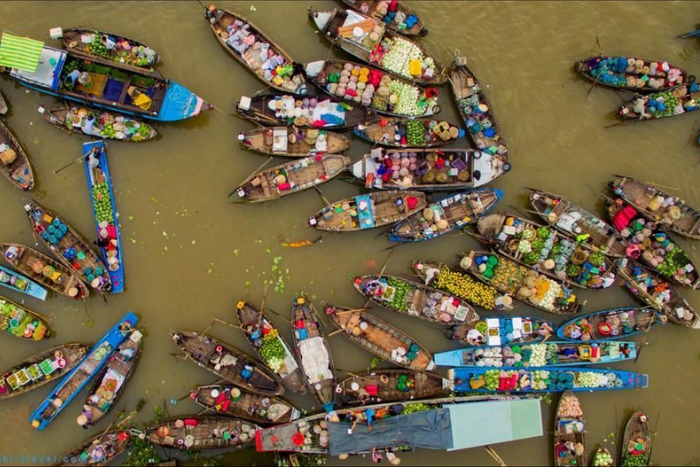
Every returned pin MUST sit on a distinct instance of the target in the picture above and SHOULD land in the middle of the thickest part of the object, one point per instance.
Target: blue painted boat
(104, 210)
(80, 376)
(537, 355)
(545, 379)
(606, 325)
(499, 330)
(693, 33)
(112, 86)
(17, 282)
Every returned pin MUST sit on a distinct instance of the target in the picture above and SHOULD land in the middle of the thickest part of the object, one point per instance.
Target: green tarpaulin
(20, 53)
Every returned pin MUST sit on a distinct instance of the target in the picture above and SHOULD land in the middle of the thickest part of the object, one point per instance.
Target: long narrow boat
(254, 49)
(98, 450)
(653, 290)
(80, 376)
(402, 132)
(244, 404)
(668, 211)
(17, 282)
(110, 86)
(111, 382)
(270, 346)
(91, 44)
(578, 223)
(14, 163)
(569, 432)
(201, 432)
(547, 250)
(390, 385)
(86, 121)
(618, 323)
(494, 330)
(302, 112)
(104, 210)
(68, 246)
(380, 338)
(415, 299)
(446, 215)
(653, 247)
(676, 101)
(296, 142)
(602, 458)
(427, 169)
(290, 177)
(632, 74)
(368, 211)
(396, 15)
(377, 45)
(373, 88)
(21, 322)
(40, 369)
(228, 362)
(636, 441)
(313, 352)
(546, 379)
(522, 283)
(536, 355)
(477, 112)
(44, 270)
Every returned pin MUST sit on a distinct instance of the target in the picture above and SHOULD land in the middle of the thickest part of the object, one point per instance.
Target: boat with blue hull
(104, 210)
(616, 323)
(80, 376)
(497, 380)
(17, 282)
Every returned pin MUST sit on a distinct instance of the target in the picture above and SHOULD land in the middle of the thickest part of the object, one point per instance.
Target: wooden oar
(221, 321)
(320, 193)
(495, 456)
(337, 331)
(644, 340)
(318, 315)
(653, 437)
(55, 172)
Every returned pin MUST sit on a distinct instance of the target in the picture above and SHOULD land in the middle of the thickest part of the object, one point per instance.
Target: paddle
(495, 456)
(221, 321)
(55, 172)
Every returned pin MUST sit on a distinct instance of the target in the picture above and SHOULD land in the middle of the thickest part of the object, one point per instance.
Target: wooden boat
(663, 255)
(106, 125)
(545, 379)
(602, 458)
(111, 382)
(80, 376)
(378, 9)
(569, 432)
(92, 44)
(380, 338)
(576, 222)
(21, 322)
(244, 404)
(546, 250)
(537, 355)
(230, 29)
(40, 369)
(14, 163)
(512, 278)
(477, 112)
(68, 246)
(669, 212)
(281, 141)
(104, 210)
(676, 101)
(378, 46)
(618, 73)
(112, 86)
(617, 323)
(390, 385)
(290, 177)
(402, 132)
(3, 104)
(316, 111)
(201, 432)
(636, 441)
(427, 169)
(20, 284)
(98, 450)
(45, 270)
(270, 346)
(446, 215)
(662, 296)
(228, 362)
(509, 329)
(339, 78)
(415, 299)
(313, 352)
(368, 211)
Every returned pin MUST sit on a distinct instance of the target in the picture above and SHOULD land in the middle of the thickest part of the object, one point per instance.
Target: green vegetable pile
(272, 351)
(102, 202)
(491, 378)
(398, 301)
(415, 133)
(673, 261)
(413, 408)
(98, 48)
(632, 460)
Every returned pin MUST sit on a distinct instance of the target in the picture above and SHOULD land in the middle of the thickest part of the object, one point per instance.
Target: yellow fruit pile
(466, 288)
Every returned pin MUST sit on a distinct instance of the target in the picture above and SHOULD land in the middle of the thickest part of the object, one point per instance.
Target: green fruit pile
(98, 48)
(415, 133)
(635, 460)
(466, 288)
(102, 202)
(272, 351)
(398, 301)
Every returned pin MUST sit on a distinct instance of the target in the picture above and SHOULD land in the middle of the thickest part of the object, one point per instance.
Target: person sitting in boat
(475, 337)
(108, 41)
(88, 128)
(71, 78)
(545, 331)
